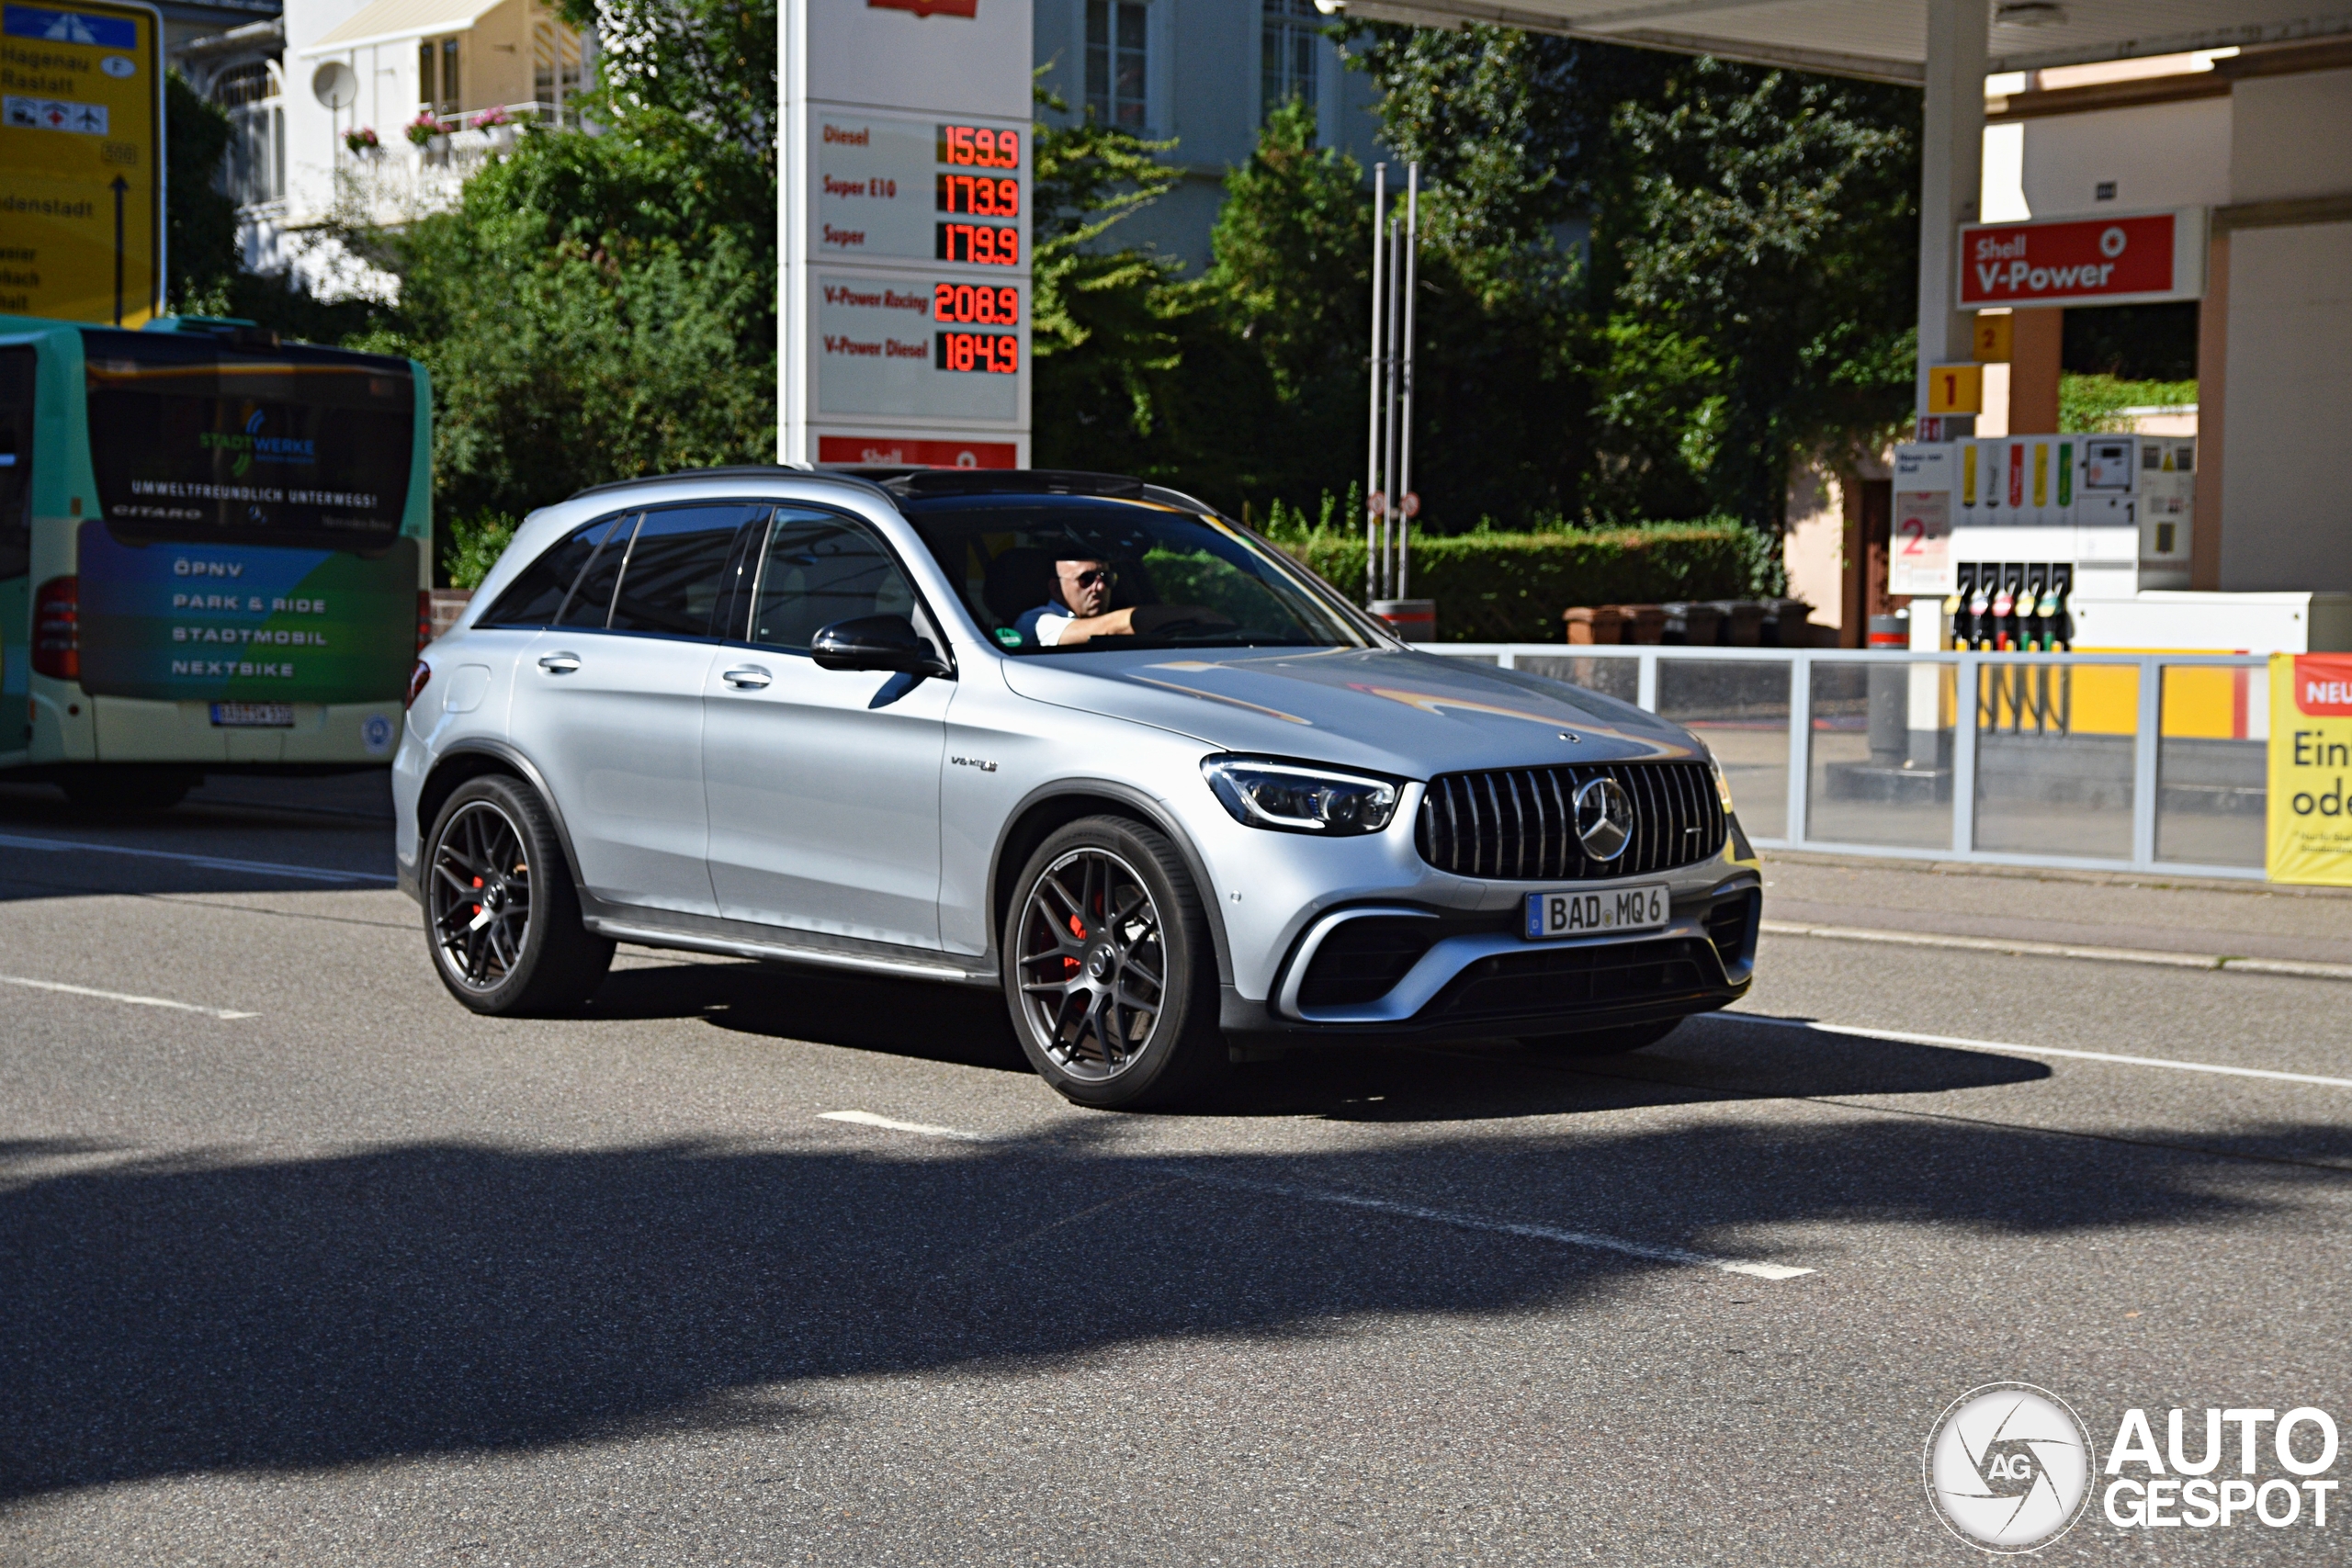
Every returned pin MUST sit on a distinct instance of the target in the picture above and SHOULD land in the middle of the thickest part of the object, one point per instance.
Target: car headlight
(1295, 799)
(1723, 784)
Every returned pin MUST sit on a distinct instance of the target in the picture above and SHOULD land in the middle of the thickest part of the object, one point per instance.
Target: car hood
(1393, 711)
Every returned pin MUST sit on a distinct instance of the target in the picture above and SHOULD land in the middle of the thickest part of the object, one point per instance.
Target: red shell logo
(928, 7)
(2324, 685)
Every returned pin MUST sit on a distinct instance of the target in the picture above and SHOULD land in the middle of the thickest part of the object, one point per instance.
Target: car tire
(1109, 969)
(501, 918)
(1601, 1042)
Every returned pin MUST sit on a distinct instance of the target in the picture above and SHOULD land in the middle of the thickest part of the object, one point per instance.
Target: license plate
(1551, 915)
(252, 715)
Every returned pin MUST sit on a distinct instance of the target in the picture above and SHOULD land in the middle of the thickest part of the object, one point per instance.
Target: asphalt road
(313, 1266)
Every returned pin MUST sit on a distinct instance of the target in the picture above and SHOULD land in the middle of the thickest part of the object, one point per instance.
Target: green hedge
(1497, 587)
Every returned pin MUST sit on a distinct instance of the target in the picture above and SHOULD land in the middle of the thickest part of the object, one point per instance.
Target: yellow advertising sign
(2311, 758)
(81, 160)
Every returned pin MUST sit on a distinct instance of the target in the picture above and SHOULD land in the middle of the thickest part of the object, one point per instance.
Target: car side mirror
(876, 642)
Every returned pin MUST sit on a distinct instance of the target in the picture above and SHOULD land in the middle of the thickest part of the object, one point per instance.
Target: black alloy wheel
(1109, 971)
(499, 910)
(481, 895)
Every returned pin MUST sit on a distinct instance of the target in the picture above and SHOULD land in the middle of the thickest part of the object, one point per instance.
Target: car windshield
(1206, 583)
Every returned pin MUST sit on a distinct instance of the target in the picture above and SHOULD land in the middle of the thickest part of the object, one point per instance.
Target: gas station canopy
(1886, 40)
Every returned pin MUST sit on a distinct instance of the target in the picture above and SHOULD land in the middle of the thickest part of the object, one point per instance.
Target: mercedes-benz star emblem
(1604, 818)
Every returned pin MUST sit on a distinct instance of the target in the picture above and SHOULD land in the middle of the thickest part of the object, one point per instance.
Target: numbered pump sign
(2311, 769)
(905, 298)
(81, 161)
(1918, 559)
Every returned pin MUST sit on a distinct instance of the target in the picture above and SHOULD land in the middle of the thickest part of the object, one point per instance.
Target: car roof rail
(916, 482)
(734, 471)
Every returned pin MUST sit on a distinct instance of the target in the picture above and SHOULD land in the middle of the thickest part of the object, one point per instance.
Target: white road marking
(923, 1129)
(1507, 1227)
(1644, 1250)
(121, 997)
(1960, 1042)
(2299, 968)
(215, 862)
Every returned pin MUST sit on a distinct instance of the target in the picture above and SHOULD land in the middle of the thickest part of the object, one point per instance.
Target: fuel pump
(2062, 606)
(2034, 620)
(2005, 601)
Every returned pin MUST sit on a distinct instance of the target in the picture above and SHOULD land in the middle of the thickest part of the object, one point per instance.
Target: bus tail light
(416, 682)
(57, 630)
(424, 623)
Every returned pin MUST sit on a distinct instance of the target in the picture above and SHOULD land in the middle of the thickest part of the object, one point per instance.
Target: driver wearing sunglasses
(1077, 614)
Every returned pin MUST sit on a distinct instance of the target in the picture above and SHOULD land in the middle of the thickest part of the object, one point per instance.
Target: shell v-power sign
(904, 302)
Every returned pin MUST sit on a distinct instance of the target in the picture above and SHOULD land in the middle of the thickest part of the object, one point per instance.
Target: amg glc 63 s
(1068, 735)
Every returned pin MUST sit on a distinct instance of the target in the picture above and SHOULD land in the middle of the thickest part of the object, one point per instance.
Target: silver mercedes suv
(1071, 735)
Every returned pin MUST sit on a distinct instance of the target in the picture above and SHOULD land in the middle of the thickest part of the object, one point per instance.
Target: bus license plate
(1551, 915)
(252, 715)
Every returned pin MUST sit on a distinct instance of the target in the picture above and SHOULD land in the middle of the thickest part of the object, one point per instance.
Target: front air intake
(1520, 824)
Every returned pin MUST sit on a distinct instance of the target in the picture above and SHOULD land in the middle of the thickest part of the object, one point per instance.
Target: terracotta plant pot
(1743, 623)
(1587, 624)
(1643, 622)
(1692, 624)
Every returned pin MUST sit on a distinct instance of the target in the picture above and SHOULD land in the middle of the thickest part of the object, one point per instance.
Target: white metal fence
(2114, 761)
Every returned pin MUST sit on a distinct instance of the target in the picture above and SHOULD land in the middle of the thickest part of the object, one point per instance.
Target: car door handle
(560, 663)
(746, 677)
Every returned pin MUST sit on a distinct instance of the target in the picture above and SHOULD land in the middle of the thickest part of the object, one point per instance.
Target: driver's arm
(1085, 629)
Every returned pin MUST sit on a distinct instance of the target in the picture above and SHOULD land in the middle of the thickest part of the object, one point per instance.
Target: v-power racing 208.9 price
(981, 304)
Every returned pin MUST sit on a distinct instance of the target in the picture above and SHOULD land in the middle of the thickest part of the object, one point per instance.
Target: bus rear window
(297, 446)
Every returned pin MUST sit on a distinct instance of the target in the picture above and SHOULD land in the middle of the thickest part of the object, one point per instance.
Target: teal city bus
(214, 554)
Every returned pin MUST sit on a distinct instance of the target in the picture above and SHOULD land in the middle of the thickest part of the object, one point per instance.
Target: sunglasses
(1089, 578)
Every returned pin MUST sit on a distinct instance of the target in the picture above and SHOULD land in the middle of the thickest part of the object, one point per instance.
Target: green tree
(1773, 219)
(1744, 296)
(200, 224)
(600, 307)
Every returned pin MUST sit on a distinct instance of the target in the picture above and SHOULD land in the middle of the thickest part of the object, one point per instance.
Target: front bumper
(1403, 972)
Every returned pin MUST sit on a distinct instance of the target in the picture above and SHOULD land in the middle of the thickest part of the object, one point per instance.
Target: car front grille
(1548, 980)
(1518, 824)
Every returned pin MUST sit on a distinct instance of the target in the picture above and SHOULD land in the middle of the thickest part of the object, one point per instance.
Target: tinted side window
(591, 603)
(676, 568)
(535, 596)
(819, 570)
(16, 460)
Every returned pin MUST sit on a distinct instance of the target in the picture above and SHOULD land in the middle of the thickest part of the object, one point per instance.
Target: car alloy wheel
(480, 894)
(1092, 964)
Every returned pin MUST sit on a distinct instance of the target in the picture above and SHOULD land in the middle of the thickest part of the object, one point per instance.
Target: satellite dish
(335, 84)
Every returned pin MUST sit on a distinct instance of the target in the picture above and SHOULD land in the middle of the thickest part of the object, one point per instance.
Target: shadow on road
(433, 1298)
(1710, 1059)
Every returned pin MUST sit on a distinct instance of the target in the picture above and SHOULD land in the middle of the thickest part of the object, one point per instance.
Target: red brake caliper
(1077, 929)
(477, 884)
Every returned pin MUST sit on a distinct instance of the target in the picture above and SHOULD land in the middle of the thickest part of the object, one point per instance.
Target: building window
(253, 171)
(1116, 50)
(436, 76)
(1291, 47)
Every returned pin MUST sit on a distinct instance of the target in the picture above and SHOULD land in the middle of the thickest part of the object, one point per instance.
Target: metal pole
(1372, 440)
(1388, 467)
(1405, 420)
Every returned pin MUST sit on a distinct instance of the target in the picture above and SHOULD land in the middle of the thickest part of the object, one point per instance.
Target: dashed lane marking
(1643, 1250)
(126, 996)
(213, 863)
